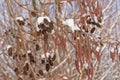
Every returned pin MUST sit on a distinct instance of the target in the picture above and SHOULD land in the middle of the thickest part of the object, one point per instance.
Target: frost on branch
(70, 23)
(20, 20)
(44, 26)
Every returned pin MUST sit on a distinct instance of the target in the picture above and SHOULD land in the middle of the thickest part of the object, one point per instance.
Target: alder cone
(92, 30)
(33, 13)
(54, 57)
(41, 72)
(47, 67)
(10, 51)
(37, 47)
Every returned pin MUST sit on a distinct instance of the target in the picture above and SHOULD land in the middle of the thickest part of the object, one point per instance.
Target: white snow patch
(8, 46)
(84, 15)
(65, 77)
(98, 49)
(86, 65)
(96, 3)
(47, 54)
(20, 40)
(41, 19)
(119, 50)
(53, 31)
(1, 42)
(71, 24)
(78, 38)
(43, 55)
(112, 49)
(95, 18)
(29, 51)
(20, 18)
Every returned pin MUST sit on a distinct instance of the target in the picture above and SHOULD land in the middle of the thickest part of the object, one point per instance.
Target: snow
(119, 50)
(29, 51)
(20, 18)
(71, 24)
(98, 49)
(65, 77)
(1, 42)
(43, 56)
(41, 19)
(8, 46)
(95, 18)
(53, 31)
(78, 38)
(84, 15)
(112, 49)
(86, 65)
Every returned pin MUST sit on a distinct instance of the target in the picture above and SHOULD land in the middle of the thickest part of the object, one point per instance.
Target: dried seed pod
(45, 37)
(41, 26)
(49, 57)
(85, 28)
(88, 16)
(43, 60)
(32, 61)
(93, 23)
(99, 20)
(54, 57)
(20, 57)
(88, 21)
(51, 25)
(98, 25)
(20, 22)
(46, 21)
(14, 56)
(41, 72)
(26, 67)
(92, 30)
(48, 30)
(44, 32)
(10, 51)
(50, 62)
(74, 37)
(16, 71)
(38, 33)
(37, 47)
(25, 73)
(24, 55)
(47, 66)
(31, 57)
(101, 43)
(99, 37)
(33, 13)
(31, 75)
